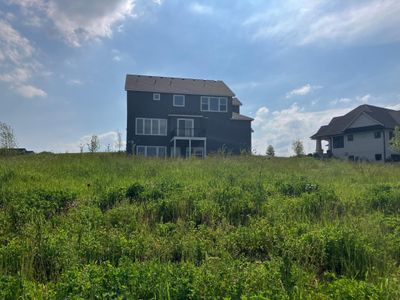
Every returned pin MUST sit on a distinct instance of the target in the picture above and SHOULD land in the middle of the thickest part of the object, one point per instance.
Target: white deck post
(190, 148)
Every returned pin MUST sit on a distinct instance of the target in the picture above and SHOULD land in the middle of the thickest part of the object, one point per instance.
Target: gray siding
(219, 129)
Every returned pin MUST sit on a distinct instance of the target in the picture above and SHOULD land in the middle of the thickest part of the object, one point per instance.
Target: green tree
(298, 147)
(7, 136)
(94, 144)
(270, 151)
(395, 141)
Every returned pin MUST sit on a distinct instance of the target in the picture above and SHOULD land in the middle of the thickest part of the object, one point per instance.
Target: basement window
(378, 157)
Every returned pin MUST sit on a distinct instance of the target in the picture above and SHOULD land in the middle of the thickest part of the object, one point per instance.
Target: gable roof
(189, 86)
(389, 118)
(236, 102)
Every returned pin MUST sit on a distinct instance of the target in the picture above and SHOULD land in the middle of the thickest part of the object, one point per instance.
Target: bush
(385, 198)
(296, 186)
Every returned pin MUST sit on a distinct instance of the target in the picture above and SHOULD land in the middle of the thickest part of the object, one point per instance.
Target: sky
(294, 64)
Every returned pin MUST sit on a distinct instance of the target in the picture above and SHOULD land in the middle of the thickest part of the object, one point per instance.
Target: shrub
(296, 186)
(134, 191)
(323, 203)
(385, 198)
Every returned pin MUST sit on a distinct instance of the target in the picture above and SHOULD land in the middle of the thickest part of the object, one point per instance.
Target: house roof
(239, 117)
(177, 85)
(389, 118)
(236, 102)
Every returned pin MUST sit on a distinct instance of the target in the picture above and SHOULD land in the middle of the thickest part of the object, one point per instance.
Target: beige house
(362, 134)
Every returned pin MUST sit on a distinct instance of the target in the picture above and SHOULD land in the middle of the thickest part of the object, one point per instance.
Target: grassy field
(108, 226)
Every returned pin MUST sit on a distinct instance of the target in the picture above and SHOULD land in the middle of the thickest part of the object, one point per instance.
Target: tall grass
(110, 226)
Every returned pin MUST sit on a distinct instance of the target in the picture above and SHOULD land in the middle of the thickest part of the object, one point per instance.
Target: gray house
(183, 117)
(362, 134)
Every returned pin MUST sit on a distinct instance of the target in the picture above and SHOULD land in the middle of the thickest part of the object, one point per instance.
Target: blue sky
(294, 64)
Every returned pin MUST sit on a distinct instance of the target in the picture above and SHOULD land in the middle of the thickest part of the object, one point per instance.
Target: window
(338, 142)
(377, 134)
(151, 126)
(179, 100)
(204, 104)
(151, 151)
(350, 138)
(351, 157)
(391, 135)
(215, 104)
(156, 97)
(140, 150)
(378, 157)
(223, 105)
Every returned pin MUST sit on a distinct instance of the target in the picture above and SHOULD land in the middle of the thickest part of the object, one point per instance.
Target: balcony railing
(188, 132)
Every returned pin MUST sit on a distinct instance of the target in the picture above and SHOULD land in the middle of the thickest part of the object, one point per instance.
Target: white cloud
(364, 99)
(14, 47)
(316, 21)
(201, 8)
(79, 21)
(302, 91)
(30, 91)
(357, 100)
(17, 62)
(107, 139)
(281, 128)
(75, 82)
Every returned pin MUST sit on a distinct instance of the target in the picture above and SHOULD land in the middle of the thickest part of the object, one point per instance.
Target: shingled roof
(389, 118)
(239, 117)
(188, 86)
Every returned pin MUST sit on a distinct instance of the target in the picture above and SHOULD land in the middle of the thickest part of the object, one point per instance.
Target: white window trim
(156, 96)
(208, 98)
(184, 100)
(157, 151)
(151, 126)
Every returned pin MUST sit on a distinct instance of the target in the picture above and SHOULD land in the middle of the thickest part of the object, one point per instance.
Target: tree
(270, 151)
(94, 144)
(298, 147)
(7, 137)
(119, 141)
(395, 141)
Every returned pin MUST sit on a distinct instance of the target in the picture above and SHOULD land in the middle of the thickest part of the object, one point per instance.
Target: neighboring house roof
(388, 118)
(236, 102)
(189, 86)
(239, 117)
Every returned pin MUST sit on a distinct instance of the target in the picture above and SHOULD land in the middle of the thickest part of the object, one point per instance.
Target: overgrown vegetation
(105, 226)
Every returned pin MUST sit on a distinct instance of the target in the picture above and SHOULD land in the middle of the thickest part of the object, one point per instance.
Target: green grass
(108, 226)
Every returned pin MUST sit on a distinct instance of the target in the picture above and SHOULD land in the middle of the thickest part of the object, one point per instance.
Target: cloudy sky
(294, 64)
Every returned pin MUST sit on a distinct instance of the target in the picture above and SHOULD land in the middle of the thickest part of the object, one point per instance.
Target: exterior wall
(217, 127)
(364, 146)
(362, 121)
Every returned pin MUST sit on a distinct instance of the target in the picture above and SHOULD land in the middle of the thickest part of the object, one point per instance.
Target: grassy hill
(108, 226)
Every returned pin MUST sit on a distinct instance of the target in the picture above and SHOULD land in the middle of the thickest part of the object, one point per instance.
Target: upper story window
(179, 100)
(338, 142)
(377, 134)
(145, 126)
(215, 104)
(350, 138)
(156, 96)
